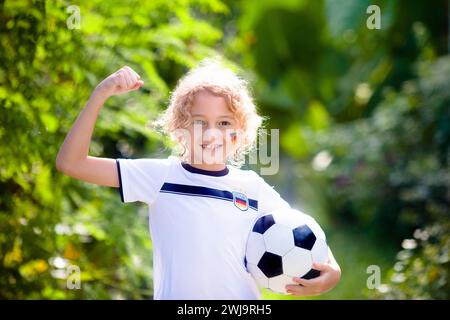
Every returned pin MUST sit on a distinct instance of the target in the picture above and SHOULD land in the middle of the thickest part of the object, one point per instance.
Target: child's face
(213, 130)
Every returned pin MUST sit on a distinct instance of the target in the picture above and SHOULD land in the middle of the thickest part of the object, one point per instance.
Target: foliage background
(363, 114)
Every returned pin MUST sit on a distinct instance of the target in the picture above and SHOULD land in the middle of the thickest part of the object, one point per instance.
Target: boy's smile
(211, 146)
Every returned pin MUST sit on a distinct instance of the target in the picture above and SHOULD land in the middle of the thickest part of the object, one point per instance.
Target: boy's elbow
(61, 165)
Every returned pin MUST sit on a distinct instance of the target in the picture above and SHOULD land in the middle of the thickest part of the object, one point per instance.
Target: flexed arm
(73, 157)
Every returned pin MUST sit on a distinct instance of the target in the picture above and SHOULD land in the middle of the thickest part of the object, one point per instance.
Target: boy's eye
(224, 123)
(199, 122)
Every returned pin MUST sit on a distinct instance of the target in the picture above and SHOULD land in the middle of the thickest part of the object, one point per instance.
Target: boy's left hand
(330, 274)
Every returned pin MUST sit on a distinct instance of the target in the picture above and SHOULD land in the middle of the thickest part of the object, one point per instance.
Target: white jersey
(199, 223)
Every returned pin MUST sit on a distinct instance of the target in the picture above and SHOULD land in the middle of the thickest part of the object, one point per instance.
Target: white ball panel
(290, 218)
(297, 262)
(319, 251)
(279, 239)
(278, 284)
(255, 247)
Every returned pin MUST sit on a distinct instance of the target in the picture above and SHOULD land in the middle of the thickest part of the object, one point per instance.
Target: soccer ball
(284, 244)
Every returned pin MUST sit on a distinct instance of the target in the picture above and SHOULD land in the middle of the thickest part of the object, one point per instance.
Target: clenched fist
(121, 81)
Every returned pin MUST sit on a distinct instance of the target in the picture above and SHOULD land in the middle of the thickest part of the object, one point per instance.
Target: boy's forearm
(77, 142)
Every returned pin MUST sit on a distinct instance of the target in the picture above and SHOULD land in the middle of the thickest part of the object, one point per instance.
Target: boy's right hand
(121, 81)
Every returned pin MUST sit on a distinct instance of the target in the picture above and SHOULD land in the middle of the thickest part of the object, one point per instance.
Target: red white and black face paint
(233, 136)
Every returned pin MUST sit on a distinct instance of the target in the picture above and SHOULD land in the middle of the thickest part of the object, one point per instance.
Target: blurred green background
(363, 114)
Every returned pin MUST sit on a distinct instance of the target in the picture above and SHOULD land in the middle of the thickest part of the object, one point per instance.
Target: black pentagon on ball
(271, 264)
(311, 274)
(304, 237)
(263, 223)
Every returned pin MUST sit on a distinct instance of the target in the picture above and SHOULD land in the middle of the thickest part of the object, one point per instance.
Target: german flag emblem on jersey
(240, 200)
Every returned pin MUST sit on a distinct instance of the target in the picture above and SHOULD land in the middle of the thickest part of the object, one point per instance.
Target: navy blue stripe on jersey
(199, 191)
(120, 180)
(253, 204)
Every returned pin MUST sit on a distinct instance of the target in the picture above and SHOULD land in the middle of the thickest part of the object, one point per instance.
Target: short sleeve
(141, 179)
(269, 199)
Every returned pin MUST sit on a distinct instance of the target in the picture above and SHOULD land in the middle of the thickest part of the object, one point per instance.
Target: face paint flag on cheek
(233, 136)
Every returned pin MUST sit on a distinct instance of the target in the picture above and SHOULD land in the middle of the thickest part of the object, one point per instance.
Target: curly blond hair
(212, 76)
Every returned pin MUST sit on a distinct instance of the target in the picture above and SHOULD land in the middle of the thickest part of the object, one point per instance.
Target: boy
(198, 229)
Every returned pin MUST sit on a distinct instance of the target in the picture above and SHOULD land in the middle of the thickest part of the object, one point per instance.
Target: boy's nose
(212, 134)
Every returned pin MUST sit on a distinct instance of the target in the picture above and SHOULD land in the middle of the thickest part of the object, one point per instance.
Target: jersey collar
(192, 169)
